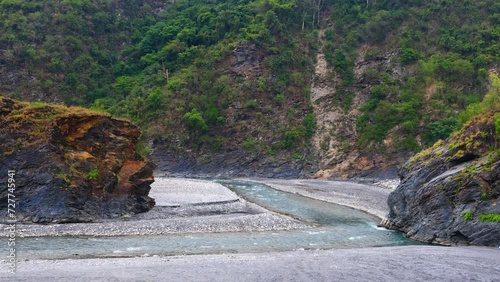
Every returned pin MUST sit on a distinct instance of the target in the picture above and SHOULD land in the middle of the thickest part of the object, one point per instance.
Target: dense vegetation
(165, 65)
(180, 75)
(221, 75)
(444, 51)
(64, 50)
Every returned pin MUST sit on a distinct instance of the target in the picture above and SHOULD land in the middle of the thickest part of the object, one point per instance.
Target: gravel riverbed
(182, 206)
(409, 263)
(217, 209)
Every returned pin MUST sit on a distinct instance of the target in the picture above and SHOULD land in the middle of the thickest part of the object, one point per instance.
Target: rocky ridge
(71, 164)
(450, 193)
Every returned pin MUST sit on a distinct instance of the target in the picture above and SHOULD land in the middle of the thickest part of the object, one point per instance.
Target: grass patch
(249, 143)
(489, 217)
(484, 197)
(93, 174)
(143, 149)
(36, 120)
(467, 215)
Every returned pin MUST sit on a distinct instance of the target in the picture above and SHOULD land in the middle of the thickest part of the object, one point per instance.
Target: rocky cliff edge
(71, 164)
(450, 194)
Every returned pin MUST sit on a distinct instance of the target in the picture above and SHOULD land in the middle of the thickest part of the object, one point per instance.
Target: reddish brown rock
(72, 164)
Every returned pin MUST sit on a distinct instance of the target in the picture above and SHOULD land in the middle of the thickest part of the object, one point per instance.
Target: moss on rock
(449, 191)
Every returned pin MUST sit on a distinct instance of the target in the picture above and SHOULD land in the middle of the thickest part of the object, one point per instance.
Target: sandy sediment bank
(183, 206)
(368, 198)
(408, 263)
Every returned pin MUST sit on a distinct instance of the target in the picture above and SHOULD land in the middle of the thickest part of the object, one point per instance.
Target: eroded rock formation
(450, 193)
(71, 164)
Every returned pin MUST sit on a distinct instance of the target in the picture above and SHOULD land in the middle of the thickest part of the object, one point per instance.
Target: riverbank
(201, 206)
(408, 263)
(368, 198)
(182, 206)
(196, 206)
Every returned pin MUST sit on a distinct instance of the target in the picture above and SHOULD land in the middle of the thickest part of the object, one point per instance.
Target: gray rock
(447, 189)
(237, 163)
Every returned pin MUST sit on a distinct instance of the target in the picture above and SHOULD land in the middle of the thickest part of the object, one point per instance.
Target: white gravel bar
(181, 191)
(182, 206)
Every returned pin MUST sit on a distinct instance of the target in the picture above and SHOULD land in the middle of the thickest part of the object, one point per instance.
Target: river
(335, 227)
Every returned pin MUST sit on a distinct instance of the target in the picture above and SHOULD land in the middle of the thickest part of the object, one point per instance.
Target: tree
(441, 129)
(318, 5)
(194, 121)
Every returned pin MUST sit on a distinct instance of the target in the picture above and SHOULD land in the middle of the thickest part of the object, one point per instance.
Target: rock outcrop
(71, 164)
(450, 194)
(237, 163)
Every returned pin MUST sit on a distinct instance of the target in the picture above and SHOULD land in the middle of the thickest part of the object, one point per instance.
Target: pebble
(232, 217)
(388, 183)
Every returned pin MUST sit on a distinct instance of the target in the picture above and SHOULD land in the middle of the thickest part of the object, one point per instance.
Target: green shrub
(271, 153)
(441, 129)
(143, 148)
(212, 115)
(279, 99)
(195, 121)
(249, 143)
(344, 66)
(310, 124)
(38, 104)
(484, 196)
(491, 101)
(251, 104)
(409, 55)
(93, 174)
(497, 124)
(346, 101)
(293, 136)
(408, 144)
(262, 84)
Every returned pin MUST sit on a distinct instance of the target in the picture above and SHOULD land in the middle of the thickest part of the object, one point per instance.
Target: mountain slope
(277, 88)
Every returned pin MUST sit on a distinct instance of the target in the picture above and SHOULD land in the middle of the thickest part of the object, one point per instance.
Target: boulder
(449, 194)
(71, 164)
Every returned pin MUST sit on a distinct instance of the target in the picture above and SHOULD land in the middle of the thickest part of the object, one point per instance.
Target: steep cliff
(71, 164)
(450, 194)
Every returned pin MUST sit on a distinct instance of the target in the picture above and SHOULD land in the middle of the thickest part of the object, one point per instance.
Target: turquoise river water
(337, 227)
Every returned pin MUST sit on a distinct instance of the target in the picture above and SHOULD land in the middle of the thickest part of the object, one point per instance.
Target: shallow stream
(336, 227)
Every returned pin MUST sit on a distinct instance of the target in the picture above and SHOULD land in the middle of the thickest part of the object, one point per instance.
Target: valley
(250, 140)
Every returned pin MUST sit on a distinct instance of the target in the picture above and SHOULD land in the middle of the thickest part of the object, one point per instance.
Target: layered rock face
(450, 193)
(71, 164)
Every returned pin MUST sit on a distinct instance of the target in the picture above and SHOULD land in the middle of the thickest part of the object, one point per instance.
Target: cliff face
(71, 164)
(336, 147)
(450, 193)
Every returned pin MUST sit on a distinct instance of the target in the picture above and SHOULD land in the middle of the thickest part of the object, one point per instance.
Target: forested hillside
(278, 87)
